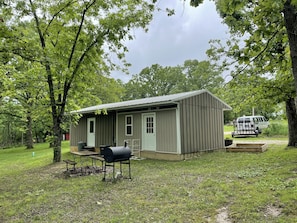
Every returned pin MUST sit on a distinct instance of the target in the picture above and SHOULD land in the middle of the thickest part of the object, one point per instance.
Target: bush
(276, 129)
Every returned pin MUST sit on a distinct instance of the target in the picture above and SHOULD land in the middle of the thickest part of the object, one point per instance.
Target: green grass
(247, 187)
(228, 128)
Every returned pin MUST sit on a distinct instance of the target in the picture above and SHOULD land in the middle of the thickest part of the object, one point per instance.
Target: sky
(172, 40)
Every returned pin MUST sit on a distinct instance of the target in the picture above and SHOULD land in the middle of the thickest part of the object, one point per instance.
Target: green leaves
(71, 44)
(257, 54)
(195, 3)
(157, 80)
(76, 38)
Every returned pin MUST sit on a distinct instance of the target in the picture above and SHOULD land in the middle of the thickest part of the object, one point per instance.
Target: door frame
(91, 136)
(145, 137)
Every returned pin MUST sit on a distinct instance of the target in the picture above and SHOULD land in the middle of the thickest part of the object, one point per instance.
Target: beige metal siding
(166, 131)
(105, 130)
(201, 124)
(136, 129)
(78, 132)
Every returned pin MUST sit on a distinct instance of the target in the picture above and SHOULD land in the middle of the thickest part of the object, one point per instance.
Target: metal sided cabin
(171, 127)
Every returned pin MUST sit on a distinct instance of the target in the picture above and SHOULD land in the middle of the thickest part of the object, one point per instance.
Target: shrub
(276, 129)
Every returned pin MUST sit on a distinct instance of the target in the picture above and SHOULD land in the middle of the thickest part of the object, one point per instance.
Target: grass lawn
(214, 187)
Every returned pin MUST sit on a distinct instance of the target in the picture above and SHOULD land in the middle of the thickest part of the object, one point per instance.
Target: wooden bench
(70, 162)
(100, 158)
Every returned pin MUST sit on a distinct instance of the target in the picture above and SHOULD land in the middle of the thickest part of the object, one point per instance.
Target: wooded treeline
(56, 56)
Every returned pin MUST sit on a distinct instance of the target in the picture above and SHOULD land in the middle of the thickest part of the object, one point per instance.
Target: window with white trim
(129, 125)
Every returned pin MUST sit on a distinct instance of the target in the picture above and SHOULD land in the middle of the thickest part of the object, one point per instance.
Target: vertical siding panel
(182, 126)
(183, 130)
(104, 130)
(195, 118)
(166, 131)
(189, 123)
(198, 120)
(206, 122)
(180, 107)
(201, 123)
(211, 137)
(214, 129)
(79, 132)
(186, 130)
(217, 124)
(121, 129)
(214, 120)
(210, 120)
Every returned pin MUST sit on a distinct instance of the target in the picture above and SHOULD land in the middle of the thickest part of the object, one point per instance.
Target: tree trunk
(290, 15)
(292, 121)
(57, 142)
(29, 134)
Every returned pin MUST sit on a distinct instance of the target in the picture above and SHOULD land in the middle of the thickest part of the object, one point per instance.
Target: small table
(84, 153)
(81, 154)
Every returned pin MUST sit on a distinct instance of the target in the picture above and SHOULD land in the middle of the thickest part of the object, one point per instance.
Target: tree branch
(56, 14)
(47, 64)
(79, 31)
(41, 37)
(260, 53)
(67, 83)
(17, 52)
(10, 114)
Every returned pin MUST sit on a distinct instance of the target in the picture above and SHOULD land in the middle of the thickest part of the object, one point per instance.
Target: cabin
(170, 127)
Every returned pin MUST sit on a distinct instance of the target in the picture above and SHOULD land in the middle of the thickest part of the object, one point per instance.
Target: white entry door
(149, 132)
(91, 131)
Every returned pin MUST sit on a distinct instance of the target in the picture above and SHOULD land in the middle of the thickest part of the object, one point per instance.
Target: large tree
(266, 30)
(11, 123)
(25, 83)
(201, 75)
(157, 80)
(72, 40)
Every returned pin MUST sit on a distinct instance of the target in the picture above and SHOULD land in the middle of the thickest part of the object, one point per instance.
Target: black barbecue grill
(111, 155)
(116, 154)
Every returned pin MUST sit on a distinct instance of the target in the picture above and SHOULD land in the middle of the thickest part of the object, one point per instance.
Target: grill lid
(118, 153)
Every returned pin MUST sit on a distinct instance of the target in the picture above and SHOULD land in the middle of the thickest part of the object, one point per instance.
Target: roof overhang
(146, 102)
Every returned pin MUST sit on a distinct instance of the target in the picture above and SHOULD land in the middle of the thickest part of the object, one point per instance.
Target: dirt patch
(273, 211)
(59, 170)
(223, 216)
